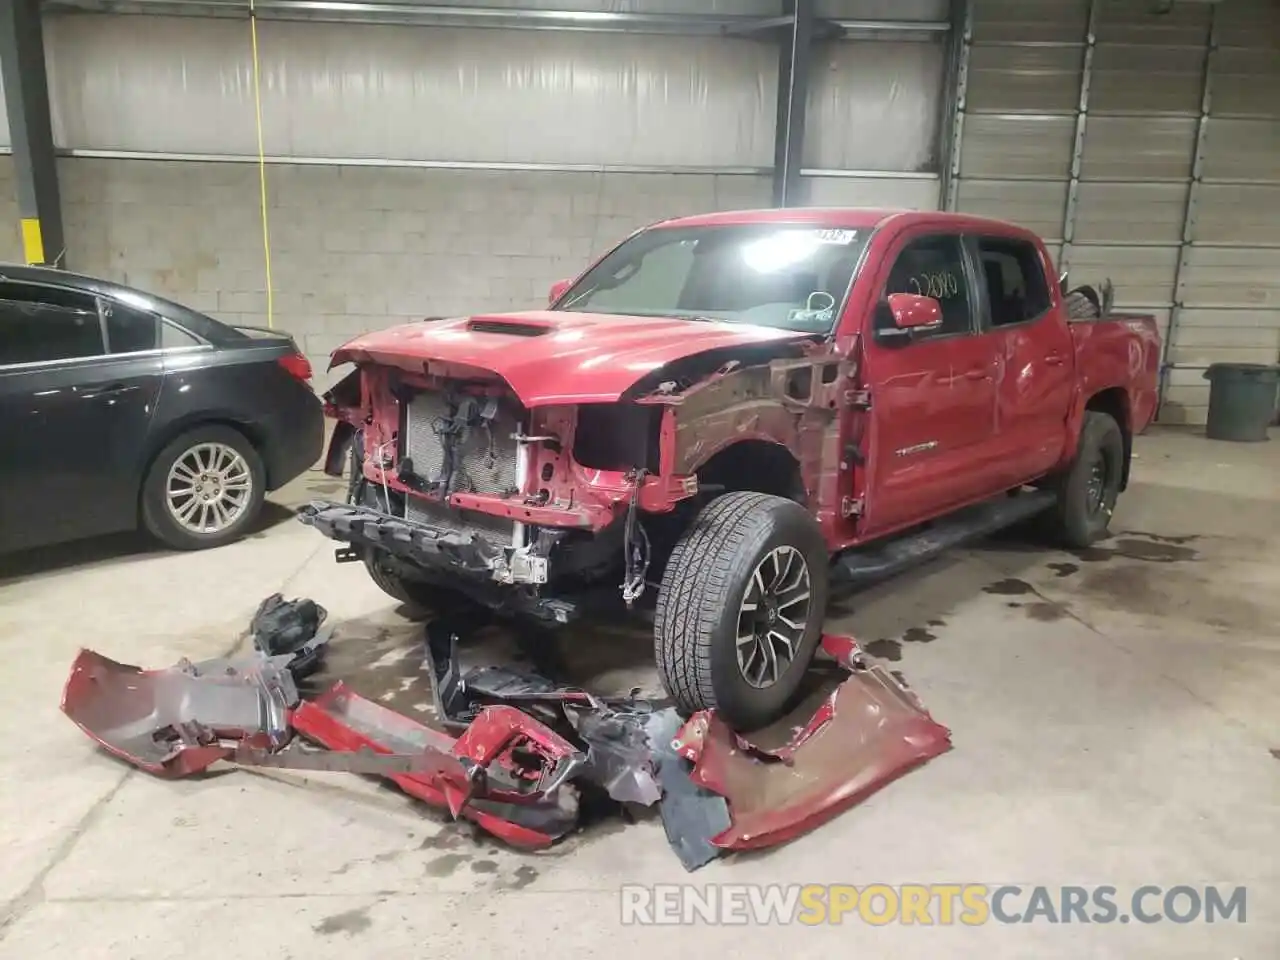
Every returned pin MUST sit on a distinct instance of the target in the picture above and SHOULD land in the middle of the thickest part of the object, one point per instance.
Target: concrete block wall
(356, 248)
(10, 234)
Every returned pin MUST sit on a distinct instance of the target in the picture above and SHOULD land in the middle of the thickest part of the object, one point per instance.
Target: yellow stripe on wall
(32, 240)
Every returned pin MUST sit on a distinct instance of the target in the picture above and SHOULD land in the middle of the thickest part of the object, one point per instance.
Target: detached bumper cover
(507, 773)
(527, 745)
(180, 720)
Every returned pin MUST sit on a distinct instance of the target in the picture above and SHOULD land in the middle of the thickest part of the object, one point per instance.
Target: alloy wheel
(208, 488)
(1096, 486)
(773, 616)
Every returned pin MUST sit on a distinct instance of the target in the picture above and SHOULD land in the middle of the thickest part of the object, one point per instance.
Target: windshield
(776, 275)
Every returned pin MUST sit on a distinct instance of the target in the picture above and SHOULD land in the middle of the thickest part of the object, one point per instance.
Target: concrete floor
(1113, 717)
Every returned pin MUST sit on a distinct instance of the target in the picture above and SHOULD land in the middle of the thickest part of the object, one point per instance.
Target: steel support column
(1077, 147)
(954, 97)
(793, 95)
(26, 95)
(1189, 211)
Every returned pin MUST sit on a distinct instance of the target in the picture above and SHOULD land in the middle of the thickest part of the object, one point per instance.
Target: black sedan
(118, 408)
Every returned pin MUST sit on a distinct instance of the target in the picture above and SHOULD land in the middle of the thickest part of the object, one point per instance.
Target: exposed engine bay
(450, 473)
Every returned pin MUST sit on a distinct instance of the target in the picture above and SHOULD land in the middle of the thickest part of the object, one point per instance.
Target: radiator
(436, 514)
(485, 459)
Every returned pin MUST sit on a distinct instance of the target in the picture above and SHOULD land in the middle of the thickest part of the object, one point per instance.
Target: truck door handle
(977, 373)
(1054, 359)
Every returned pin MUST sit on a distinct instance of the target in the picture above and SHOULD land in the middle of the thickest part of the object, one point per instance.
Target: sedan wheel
(209, 488)
(203, 489)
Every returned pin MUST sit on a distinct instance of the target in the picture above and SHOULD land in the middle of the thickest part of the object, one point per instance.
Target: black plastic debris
(691, 815)
(612, 730)
(283, 627)
(619, 756)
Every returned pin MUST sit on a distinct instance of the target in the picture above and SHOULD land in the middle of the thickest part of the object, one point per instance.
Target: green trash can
(1242, 400)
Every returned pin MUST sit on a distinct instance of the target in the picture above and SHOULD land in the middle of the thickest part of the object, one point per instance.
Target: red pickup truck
(735, 412)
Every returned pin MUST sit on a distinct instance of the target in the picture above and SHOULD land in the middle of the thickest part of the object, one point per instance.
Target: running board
(863, 566)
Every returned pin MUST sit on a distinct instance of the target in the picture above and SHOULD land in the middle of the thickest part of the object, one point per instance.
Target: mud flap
(870, 731)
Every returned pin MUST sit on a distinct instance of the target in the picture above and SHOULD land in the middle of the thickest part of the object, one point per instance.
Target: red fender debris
(868, 732)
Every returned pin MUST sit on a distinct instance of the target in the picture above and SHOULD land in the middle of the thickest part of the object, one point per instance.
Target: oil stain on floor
(891, 649)
(1142, 546)
(1009, 587)
(350, 922)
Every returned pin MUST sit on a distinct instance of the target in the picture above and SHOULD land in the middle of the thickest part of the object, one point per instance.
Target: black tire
(1083, 305)
(1086, 500)
(156, 515)
(418, 594)
(703, 588)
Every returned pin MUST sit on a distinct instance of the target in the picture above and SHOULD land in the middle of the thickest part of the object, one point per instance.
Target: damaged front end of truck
(528, 491)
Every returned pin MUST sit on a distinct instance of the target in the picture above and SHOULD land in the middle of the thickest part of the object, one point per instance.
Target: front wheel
(418, 594)
(740, 609)
(1088, 492)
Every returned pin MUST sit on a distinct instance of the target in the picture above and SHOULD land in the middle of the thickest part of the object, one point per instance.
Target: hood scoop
(510, 328)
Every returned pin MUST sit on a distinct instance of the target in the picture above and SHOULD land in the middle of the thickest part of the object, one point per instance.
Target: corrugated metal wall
(456, 95)
(1146, 147)
(356, 91)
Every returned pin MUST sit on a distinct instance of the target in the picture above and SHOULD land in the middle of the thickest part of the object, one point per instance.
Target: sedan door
(73, 417)
(933, 394)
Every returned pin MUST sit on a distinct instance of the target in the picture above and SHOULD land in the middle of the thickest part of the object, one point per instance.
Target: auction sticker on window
(835, 236)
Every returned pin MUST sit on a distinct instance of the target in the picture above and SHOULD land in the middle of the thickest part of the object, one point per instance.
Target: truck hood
(550, 357)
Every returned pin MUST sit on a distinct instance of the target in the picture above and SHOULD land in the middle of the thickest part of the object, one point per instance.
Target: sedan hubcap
(208, 488)
(773, 616)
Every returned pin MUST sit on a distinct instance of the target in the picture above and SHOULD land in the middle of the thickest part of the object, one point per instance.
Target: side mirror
(558, 290)
(913, 312)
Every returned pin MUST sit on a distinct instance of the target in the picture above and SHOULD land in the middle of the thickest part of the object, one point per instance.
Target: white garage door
(1146, 146)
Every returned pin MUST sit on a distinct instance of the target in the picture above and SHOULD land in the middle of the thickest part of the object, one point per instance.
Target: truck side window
(933, 267)
(1016, 285)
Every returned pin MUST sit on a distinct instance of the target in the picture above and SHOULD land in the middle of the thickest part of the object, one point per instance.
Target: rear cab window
(1013, 278)
(46, 324)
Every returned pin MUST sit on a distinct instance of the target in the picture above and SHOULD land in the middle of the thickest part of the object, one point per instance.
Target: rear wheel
(740, 610)
(1088, 492)
(204, 489)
